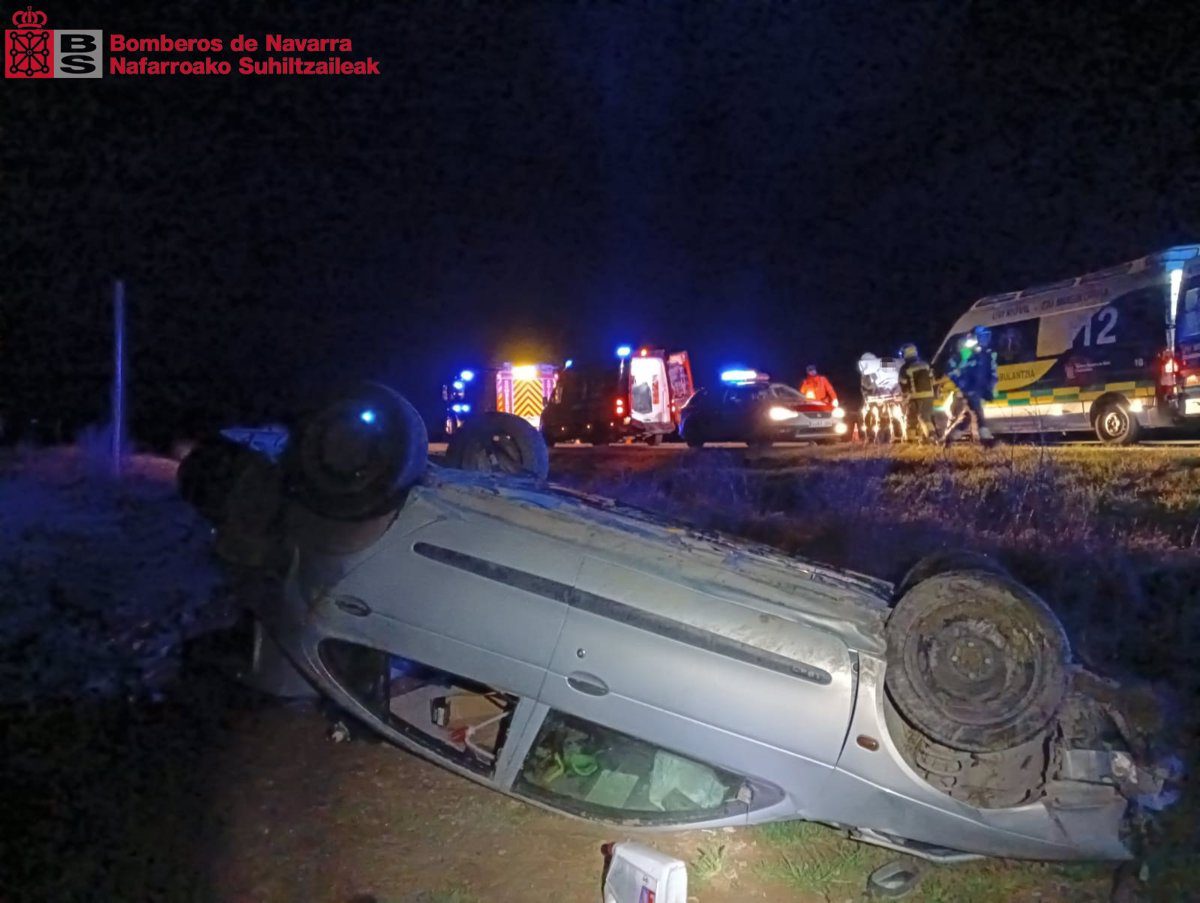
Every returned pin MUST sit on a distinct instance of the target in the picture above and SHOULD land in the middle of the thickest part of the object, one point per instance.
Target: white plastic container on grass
(641, 874)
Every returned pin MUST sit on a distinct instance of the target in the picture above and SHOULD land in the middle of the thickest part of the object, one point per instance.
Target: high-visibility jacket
(916, 379)
(818, 388)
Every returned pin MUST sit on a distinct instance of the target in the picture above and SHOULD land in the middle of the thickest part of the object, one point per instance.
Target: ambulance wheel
(1115, 425)
(976, 661)
(355, 457)
(499, 443)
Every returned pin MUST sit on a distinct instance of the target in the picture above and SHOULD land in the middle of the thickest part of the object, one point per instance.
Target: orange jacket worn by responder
(817, 387)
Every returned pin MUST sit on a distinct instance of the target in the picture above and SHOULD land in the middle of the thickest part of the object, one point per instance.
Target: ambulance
(637, 399)
(1116, 351)
(520, 389)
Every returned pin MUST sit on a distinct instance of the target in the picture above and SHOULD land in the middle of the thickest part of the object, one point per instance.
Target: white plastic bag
(696, 782)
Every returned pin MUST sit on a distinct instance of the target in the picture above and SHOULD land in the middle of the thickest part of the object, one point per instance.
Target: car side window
(455, 717)
(786, 393)
(599, 772)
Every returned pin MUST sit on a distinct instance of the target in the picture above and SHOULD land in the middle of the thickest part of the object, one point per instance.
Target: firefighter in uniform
(817, 387)
(916, 386)
(975, 376)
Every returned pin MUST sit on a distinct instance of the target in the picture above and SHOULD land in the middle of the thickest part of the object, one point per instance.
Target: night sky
(761, 183)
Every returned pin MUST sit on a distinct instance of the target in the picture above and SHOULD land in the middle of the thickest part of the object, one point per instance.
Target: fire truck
(520, 389)
(637, 399)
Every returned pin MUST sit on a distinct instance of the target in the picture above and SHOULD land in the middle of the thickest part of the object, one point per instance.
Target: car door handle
(587, 683)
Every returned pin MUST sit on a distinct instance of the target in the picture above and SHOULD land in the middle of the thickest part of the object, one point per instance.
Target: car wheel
(691, 435)
(226, 481)
(1115, 425)
(941, 562)
(356, 456)
(499, 443)
(975, 660)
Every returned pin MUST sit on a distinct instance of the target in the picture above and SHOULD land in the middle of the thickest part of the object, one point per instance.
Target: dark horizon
(763, 185)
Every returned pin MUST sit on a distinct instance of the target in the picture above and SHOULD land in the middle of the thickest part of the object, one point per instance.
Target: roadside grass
(710, 862)
(820, 861)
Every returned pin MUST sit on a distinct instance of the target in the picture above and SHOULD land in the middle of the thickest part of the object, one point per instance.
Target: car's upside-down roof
(850, 606)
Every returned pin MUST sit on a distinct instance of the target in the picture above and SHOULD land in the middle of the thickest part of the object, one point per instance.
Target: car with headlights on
(748, 407)
(607, 664)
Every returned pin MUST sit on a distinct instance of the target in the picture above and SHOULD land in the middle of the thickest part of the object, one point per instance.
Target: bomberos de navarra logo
(32, 51)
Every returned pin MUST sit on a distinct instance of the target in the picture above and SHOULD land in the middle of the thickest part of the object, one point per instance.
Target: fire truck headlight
(778, 413)
(466, 408)
(839, 414)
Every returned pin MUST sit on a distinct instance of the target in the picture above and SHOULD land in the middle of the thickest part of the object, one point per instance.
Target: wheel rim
(980, 665)
(1114, 422)
(499, 453)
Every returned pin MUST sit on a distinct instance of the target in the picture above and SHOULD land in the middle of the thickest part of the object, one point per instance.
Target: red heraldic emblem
(28, 48)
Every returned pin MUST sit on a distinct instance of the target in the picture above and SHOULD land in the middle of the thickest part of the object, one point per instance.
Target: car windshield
(786, 392)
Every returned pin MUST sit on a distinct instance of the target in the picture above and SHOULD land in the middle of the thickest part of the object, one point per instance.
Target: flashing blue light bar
(367, 416)
(467, 375)
(456, 408)
(739, 376)
(567, 365)
(466, 409)
(624, 351)
(459, 385)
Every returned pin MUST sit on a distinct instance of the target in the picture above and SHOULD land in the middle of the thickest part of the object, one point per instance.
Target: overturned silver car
(595, 660)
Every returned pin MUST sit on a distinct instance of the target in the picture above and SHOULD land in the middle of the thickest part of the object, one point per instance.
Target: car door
(663, 673)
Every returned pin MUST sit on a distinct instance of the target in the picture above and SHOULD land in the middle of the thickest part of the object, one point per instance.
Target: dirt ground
(201, 791)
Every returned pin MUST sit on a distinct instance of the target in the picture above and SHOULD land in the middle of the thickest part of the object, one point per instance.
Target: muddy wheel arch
(976, 661)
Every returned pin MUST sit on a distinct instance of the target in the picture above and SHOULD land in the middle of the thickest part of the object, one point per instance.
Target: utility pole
(118, 385)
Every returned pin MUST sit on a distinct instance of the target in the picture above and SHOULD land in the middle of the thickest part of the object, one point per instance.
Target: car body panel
(739, 657)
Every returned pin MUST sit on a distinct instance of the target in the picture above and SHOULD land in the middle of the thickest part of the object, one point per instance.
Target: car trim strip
(613, 610)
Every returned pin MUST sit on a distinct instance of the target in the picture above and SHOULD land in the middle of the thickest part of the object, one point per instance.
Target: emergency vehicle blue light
(456, 408)
(466, 408)
(459, 385)
(567, 365)
(624, 351)
(739, 376)
(467, 375)
(367, 416)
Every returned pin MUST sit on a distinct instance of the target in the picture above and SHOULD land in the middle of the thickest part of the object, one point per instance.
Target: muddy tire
(976, 661)
(942, 562)
(499, 443)
(354, 458)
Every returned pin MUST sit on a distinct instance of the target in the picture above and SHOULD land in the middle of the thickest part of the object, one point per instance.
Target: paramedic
(975, 378)
(817, 387)
(916, 385)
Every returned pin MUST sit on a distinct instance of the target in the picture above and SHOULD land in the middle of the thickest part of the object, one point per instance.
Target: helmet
(811, 369)
(982, 334)
(908, 351)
